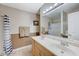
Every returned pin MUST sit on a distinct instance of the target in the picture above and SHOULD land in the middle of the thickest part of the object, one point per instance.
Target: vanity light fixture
(48, 9)
(52, 7)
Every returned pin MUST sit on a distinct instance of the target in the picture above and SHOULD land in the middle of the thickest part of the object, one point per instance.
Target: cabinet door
(37, 52)
(42, 53)
(43, 50)
(33, 47)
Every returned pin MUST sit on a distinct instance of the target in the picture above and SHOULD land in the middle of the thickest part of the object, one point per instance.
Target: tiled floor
(23, 51)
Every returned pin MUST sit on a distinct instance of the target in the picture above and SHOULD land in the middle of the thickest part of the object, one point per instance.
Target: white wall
(73, 25)
(18, 18)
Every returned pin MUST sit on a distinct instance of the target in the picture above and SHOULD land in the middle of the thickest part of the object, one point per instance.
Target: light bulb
(55, 4)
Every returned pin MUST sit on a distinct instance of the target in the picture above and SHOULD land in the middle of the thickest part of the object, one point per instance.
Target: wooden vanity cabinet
(39, 50)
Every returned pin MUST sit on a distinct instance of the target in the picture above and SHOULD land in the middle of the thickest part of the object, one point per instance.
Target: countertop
(52, 43)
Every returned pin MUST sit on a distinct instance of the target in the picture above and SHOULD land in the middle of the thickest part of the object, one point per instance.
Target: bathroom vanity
(39, 50)
(45, 46)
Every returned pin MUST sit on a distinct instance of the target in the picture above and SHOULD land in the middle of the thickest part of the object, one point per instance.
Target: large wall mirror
(56, 20)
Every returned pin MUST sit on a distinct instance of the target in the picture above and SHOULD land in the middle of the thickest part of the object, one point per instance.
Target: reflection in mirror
(54, 26)
(50, 22)
(58, 19)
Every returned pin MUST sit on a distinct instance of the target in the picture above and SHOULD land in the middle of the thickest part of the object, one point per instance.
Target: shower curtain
(7, 37)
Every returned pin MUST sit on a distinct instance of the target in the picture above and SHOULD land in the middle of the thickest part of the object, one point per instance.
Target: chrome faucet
(69, 36)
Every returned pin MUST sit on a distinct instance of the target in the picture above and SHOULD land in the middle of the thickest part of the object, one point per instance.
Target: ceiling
(30, 7)
(67, 7)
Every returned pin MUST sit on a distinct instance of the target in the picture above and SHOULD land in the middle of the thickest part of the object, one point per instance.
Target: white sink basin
(61, 50)
(48, 40)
